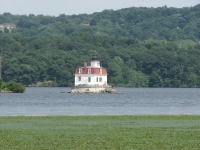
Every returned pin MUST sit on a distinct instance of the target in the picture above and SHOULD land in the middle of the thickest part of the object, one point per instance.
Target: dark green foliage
(141, 23)
(1, 83)
(140, 47)
(129, 62)
(15, 87)
(93, 22)
(6, 30)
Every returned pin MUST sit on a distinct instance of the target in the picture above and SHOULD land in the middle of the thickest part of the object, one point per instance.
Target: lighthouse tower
(91, 79)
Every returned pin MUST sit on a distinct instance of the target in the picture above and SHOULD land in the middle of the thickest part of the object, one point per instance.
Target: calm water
(133, 101)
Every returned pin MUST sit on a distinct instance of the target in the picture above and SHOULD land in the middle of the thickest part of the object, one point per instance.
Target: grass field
(100, 132)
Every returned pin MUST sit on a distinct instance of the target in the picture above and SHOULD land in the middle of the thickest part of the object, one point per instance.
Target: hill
(141, 23)
(141, 47)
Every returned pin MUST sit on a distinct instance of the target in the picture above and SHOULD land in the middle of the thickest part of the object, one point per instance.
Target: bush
(15, 87)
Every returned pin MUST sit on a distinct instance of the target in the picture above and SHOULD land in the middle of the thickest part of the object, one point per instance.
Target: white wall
(95, 63)
(84, 79)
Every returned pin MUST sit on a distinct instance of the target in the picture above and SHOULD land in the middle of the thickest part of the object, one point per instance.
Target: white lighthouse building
(93, 75)
(91, 79)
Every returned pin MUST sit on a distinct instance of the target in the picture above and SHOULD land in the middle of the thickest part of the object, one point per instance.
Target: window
(80, 71)
(100, 79)
(89, 79)
(100, 71)
(97, 79)
(89, 71)
(79, 78)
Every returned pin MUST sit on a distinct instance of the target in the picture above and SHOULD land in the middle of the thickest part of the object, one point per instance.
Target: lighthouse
(91, 78)
(93, 75)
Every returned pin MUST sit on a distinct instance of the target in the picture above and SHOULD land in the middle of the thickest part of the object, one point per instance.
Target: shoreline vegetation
(100, 132)
(11, 87)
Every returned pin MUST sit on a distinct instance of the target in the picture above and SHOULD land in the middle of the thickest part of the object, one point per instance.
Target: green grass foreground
(100, 132)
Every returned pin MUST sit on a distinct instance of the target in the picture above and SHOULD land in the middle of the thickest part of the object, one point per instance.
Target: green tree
(93, 22)
(6, 30)
(1, 82)
(15, 87)
(155, 79)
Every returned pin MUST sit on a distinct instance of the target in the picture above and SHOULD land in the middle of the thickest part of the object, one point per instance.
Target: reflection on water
(133, 101)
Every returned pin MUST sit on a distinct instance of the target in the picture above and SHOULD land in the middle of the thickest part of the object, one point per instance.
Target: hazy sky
(69, 7)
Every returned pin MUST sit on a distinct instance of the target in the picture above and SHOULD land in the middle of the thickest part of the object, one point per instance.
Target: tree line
(162, 23)
(129, 62)
(140, 47)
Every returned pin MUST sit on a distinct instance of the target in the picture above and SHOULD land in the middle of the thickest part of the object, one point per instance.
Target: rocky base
(2, 91)
(92, 90)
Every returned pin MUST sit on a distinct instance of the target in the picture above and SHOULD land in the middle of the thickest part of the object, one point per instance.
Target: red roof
(94, 70)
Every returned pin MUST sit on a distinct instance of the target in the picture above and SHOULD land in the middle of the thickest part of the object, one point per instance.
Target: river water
(44, 101)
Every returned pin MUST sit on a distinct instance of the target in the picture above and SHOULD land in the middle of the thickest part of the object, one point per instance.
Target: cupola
(95, 61)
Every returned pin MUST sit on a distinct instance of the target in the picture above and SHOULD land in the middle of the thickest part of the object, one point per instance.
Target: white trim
(80, 70)
(89, 71)
(101, 71)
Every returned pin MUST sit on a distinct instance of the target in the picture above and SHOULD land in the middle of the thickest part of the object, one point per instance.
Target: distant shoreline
(2, 91)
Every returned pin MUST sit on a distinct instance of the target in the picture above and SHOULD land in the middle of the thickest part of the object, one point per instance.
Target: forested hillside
(140, 47)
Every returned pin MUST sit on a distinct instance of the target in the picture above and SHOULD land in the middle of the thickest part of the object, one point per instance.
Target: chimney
(85, 64)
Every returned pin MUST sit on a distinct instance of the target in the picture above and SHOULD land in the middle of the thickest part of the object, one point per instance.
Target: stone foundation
(92, 90)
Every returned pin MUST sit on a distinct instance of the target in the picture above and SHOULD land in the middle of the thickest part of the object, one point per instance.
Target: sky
(70, 7)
